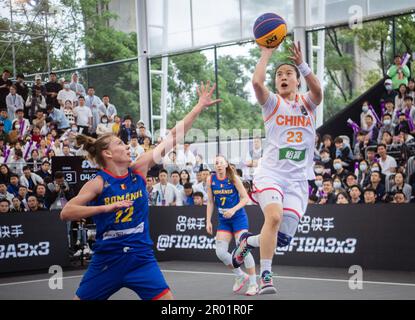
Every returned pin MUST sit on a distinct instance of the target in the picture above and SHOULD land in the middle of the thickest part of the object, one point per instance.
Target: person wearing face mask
(337, 185)
(317, 185)
(363, 177)
(389, 93)
(343, 152)
(326, 161)
(365, 112)
(104, 127)
(339, 170)
(66, 94)
(387, 126)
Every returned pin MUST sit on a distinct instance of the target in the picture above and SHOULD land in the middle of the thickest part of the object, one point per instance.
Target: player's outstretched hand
(205, 93)
(297, 55)
(118, 205)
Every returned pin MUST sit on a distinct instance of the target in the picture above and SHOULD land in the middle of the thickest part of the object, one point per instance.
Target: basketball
(270, 30)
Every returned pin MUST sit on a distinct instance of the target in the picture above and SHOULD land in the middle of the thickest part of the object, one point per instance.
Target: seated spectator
(14, 102)
(372, 129)
(377, 185)
(17, 205)
(164, 193)
(4, 118)
(401, 186)
(342, 198)
(135, 149)
(404, 137)
(33, 204)
(350, 181)
(59, 191)
(327, 196)
(343, 152)
(355, 194)
(328, 144)
(400, 98)
(248, 188)
(116, 125)
(317, 184)
(4, 194)
(198, 198)
(58, 118)
(400, 198)
(142, 133)
(66, 152)
(4, 205)
(339, 169)
(29, 179)
(44, 171)
(389, 94)
(104, 126)
(369, 196)
(184, 177)
(409, 109)
(5, 174)
(337, 185)
(170, 162)
(362, 142)
(366, 111)
(147, 144)
(175, 181)
(387, 162)
(127, 130)
(40, 121)
(21, 124)
(387, 127)
(402, 124)
(148, 133)
(371, 155)
(411, 88)
(312, 199)
(386, 139)
(35, 102)
(202, 185)
(107, 109)
(13, 187)
(40, 194)
(150, 182)
(16, 163)
(200, 164)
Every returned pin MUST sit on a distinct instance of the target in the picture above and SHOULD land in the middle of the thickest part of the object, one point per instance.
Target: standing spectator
(327, 195)
(104, 126)
(202, 185)
(5, 85)
(76, 87)
(328, 144)
(411, 88)
(4, 194)
(4, 118)
(377, 185)
(165, 194)
(40, 194)
(386, 127)
(387, 162)
(127, 130)
(29, 179)
(83, 117)
(21, 87)
(400, 198)
(186, 155)
(52, 90)
(14, 102)
(252, 158)
(5, 174)
(13, 187)
(187, 194)
(175, 181)
(389, 94)
(44, 172)
(38, 83)
(4, 205)
(147, 145)
(35, 102)
(141, 123)
(107, 109)
(409, 109)
(58, 117)
(35, 161)
(66, 94)
(401, 186)
(339, 170)
(373, 131)
(369, 196)
(342, 198)
(363, 177)
(93, 102)
(22, 124)
(355, 195)
(398, 73)
(365, 112)
(170, 162)
(350, 180)
(141, 134)
(343, 152)
(33, 204)
(184, 177)
(149, 187)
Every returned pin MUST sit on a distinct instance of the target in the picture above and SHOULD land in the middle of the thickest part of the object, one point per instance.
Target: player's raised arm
(258, 79)
(315, 93)
(148, 159)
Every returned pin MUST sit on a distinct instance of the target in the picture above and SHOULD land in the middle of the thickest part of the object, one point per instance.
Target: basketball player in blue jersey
(117, 201)
(226, 192)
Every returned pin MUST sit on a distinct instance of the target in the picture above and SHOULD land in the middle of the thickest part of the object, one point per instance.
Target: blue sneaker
(266, 284)
(239, 254)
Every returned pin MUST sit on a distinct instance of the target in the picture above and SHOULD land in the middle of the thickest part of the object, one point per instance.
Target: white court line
(230, 274)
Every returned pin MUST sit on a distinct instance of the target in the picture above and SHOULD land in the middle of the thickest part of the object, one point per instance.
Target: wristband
(305, 70)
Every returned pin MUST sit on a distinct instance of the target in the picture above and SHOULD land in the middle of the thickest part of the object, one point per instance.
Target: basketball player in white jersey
(280, 183)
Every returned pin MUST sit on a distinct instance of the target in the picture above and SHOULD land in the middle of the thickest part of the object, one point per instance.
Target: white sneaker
(252, 290)
(240, 282)
(87, 250)
(78, 253)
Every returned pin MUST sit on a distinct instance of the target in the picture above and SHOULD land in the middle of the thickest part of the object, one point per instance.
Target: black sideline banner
(32, 240)
(375, 237)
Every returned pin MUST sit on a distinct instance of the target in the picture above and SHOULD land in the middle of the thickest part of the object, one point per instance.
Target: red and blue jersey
(127, 227)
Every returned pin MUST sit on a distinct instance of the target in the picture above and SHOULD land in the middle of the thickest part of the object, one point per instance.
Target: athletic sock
(265, 265)
(252, 279)
(253, 241)
(237, 272)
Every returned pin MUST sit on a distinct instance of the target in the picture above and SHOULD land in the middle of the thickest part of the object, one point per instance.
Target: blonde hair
(94, 147)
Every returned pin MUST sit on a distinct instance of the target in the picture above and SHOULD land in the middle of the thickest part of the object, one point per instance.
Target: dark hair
(369, 116)
(81, 97)
(399, 192)
(352, 175)
(198, 194)
(188, 185)
(344, 194)
(399, 91)
(381, 145)
(5, 200)
(175, 172)
(59, 175)
(355, 186)
(287, 64)
(163, 171)
(19, 153)
(409, 98)
(105, 95)
(328, 180)
(26, 168)
(188, 176)
(338, 140)
(369, 190)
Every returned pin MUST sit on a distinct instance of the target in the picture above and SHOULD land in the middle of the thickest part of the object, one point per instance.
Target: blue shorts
(235, 224)
(108, 273)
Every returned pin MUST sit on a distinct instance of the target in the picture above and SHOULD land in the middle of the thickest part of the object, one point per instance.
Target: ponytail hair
(94, 147)
(230, 172)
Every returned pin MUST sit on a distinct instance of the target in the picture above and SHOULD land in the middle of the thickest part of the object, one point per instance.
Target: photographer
(34, 103)
(59, 191)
